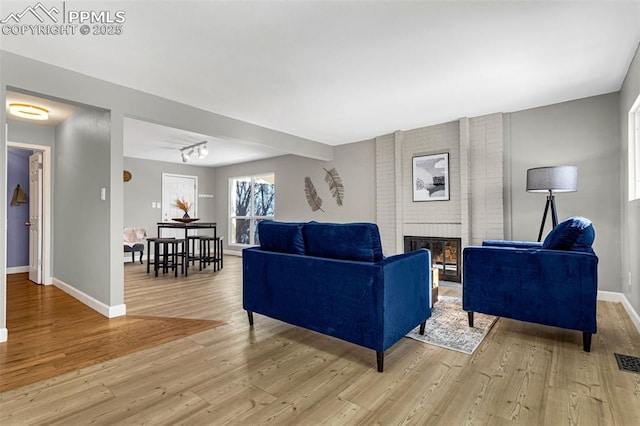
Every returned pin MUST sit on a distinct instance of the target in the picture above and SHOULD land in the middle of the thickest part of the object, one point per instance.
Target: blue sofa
(552, 283)
(333, 279)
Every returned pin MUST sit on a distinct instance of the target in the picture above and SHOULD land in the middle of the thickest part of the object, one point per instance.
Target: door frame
(46, 206)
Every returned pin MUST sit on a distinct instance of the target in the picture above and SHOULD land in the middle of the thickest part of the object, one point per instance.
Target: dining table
(187, 226)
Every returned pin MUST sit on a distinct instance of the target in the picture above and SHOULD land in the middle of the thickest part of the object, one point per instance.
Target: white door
(178, 187)
(35, 217)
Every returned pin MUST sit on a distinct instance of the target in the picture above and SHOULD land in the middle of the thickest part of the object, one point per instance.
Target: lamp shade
(554, 178)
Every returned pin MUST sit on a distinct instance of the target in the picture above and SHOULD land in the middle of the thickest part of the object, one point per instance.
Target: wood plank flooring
(279, 374)
(52, 333)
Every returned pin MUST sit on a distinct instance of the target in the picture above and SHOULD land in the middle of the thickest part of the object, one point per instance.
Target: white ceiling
(58, 111)
(338, 72)
(161, 143)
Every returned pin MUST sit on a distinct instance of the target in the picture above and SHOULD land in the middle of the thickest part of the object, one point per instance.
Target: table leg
(148, 255)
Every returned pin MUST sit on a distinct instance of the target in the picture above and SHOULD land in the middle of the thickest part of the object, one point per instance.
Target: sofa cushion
(282, 237)
(347, 241)
(574, 234)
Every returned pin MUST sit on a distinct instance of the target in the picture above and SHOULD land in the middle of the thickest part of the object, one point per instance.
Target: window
(252, 199)
(634, 151)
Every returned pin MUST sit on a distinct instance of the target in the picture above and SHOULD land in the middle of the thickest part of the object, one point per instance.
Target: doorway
(39, 221)
(178, 187)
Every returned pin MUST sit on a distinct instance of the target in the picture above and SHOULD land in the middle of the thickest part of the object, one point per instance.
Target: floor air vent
(628, 363)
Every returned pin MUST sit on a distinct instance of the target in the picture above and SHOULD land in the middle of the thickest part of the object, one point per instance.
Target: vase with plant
(184, 206)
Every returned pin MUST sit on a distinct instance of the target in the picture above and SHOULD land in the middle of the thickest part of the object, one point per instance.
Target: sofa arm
(513, 244)
(550, 287)
(407, 293)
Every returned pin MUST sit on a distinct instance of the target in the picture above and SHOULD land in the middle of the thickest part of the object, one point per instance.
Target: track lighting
(188, 152)
(202, 151)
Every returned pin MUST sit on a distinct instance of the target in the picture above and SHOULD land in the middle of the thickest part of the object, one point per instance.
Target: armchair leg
(380, 359)
(470, 314)
(422, 326)
(250, 315)
(586, 341)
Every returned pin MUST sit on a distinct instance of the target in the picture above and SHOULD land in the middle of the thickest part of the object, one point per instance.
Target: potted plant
(184, 206)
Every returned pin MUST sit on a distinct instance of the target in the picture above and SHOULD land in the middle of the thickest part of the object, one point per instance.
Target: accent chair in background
(552, 283)
(134, 241)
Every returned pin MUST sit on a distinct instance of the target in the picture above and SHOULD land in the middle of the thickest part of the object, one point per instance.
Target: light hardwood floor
(40, 348)
(279, 374)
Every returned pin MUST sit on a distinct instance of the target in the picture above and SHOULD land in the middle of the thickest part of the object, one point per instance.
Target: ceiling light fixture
(203, 151)
(187, 152)
(32, 112)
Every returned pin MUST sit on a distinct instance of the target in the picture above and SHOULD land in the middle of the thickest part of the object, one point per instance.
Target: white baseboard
(18, 269)
(96, 305)
(233, 252)
(117, 311)
(610, 296)
(635, 318)
(4, 334)
(127, 258)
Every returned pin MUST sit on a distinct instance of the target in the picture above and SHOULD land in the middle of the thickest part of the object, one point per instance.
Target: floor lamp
(549, 180)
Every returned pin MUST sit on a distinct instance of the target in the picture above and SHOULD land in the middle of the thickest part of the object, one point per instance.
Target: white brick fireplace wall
(474, 211)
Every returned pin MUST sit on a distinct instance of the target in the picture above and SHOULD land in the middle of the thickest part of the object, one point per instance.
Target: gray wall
(354, 162)
(81, 220)
(584, 133)
(145, 187)
(36, 134)
(630, 235)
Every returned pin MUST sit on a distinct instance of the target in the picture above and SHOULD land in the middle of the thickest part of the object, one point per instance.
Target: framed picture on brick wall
(431, 177)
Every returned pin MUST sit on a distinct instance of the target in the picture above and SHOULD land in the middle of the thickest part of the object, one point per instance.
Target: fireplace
(445, 254)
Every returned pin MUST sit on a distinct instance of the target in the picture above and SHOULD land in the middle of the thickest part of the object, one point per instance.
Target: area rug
(448, 326)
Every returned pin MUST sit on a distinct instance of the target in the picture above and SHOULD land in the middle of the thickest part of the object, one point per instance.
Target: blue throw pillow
(574, 234)
(282, 237)
(347, 241)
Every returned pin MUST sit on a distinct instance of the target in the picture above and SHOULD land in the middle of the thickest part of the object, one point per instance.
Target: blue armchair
(554, 283)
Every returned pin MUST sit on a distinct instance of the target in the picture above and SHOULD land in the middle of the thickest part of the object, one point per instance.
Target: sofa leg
(380, 359)
(250, 315)
(422, 326)
(470, 314)
(586, 341)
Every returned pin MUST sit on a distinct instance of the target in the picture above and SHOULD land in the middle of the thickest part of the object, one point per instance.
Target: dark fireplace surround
(445, 254)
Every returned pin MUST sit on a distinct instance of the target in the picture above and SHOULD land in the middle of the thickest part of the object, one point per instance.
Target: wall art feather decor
(314, 201)
(335, 184)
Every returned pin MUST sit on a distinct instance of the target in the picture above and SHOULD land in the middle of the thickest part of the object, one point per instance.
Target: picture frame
(430, 178)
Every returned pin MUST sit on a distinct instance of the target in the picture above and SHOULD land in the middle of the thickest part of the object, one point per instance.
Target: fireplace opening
(445, 254)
